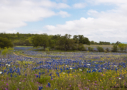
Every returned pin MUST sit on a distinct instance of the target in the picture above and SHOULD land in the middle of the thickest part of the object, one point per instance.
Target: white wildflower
(119, 78)
(0, 72)
(70, 68)
(63, 72)
(80, 69)
(115, 65)
(88, 64)
(19, 82)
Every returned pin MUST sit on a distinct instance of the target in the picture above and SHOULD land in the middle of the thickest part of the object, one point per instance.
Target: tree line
(53, 42)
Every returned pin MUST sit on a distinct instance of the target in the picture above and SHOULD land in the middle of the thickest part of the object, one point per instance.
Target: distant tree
(4, 42)
(122, 46)
(81, 39)
(117, 43)
(92, 42)
(76, 38)
(81, 47)
(65, 43)
(40, 40)
(114, 49)
(86, 41)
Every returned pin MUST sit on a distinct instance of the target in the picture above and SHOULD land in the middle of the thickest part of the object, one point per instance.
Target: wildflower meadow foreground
(33, 70)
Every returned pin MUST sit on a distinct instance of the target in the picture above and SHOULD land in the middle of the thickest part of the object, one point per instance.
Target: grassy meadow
(55, 70)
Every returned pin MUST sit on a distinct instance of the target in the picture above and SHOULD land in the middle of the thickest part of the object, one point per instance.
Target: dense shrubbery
(114, 49)
(4, 42)
(81, 48)
(90, 48)
(100, 49)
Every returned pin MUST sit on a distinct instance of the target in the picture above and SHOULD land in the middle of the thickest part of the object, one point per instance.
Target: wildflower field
(34, 70)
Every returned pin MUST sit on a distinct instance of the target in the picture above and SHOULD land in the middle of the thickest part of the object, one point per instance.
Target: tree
(4, 42)
(114, 49)
(117, 43)
(76, 38)
(122, 46)
(40, 40)
(65, 43)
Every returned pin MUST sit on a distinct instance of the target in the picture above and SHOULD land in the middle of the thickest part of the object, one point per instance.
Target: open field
(104, 46)
(34, 70)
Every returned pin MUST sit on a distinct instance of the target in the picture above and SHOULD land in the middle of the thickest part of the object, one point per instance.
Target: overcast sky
(99, 20)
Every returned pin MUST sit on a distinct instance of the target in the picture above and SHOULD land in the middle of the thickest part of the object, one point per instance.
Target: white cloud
(110, 25)
(49, 4)
(63, 14)
(16, 13)
(79, 5)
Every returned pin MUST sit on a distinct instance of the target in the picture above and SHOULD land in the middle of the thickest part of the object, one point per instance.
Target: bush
(107, 50)
(82, 48)
(4, 42)
(114, 49)
(90, 48)
(100, 49)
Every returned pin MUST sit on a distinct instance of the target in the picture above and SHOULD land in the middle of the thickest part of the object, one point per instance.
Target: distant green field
(104, 46)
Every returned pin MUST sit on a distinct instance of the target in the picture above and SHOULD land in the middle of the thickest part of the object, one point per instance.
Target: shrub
(100, 49)
(82, 48)
(122, 47)
(107, 50)
(114, 48)
(90, 48)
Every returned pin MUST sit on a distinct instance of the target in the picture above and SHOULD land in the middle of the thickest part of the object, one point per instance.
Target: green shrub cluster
(100, 49)
(90, 48)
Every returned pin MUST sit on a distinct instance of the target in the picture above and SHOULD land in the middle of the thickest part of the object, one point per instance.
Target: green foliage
(81, 39)
(107, 50)
(4, 42)
(100, 49)
(122, 46)
(65, 43)
(44, 80)
(117, 43)
(5, 51)
(90, 48)
(0, 50)
(104, 43)
(81, 47)
(114, 49)
(40, 41)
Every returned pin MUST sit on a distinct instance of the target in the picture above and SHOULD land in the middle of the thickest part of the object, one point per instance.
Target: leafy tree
(122, 46)
(40, 41)
(81, 47)
(4, 42)
(76, 38)
(65, 43)
(117, 43)
(114, 49)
